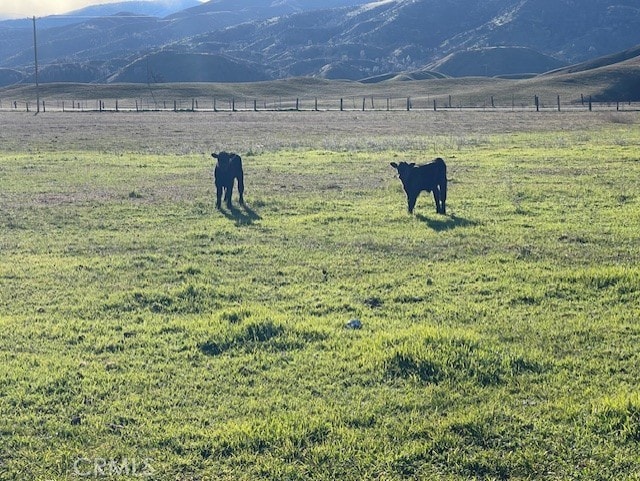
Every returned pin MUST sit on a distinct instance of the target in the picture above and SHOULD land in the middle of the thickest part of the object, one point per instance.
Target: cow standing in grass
(431, 177)
(228, 168)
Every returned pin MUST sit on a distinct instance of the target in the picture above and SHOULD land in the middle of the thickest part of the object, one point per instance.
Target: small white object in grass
(354, 324)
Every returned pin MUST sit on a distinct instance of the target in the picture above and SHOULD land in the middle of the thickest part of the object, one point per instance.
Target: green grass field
(147, 335)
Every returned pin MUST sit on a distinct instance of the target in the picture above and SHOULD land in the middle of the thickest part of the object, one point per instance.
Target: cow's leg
(219, 190)
(443, 198)
(227, 194)
(411, 202)
(241, 188)
(436, 199)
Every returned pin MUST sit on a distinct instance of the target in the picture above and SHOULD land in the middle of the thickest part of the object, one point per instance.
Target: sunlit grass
(140, 323)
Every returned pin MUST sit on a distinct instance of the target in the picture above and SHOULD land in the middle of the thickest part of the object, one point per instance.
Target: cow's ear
(214, 155)
(393, 164)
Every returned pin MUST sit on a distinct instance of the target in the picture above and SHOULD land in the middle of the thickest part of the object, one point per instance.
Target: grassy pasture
(146, 334)
(608, 85)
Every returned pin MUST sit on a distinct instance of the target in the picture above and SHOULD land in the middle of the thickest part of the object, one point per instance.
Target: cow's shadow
(445, 222)
(243, 215)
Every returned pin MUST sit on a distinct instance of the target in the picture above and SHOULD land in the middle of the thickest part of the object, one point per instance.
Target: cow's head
(223, 158)
(404, 169)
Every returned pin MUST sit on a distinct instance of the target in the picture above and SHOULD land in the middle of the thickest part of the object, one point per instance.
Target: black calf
(431, 177)
(227, 169)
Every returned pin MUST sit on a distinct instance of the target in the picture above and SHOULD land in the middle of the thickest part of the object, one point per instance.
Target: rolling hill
(167, 66)
(495, 61)
(332, 39)
(609, 81)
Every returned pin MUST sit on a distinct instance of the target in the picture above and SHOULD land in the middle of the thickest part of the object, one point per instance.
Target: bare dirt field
(196, 132)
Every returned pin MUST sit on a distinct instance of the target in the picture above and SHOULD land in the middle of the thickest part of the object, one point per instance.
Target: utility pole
(35, 52)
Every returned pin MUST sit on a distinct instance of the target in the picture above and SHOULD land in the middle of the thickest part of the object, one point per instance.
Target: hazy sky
(40, 8)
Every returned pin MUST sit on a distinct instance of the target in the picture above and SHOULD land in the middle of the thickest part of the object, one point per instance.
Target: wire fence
(351, 103)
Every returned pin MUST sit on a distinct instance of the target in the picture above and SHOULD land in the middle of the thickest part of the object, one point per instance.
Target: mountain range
(253, 40)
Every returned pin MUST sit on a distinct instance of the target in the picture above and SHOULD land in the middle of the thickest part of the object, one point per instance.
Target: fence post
(44, 109)
(590, 105)
(537, 102)
(493, 105)
(434, 105)
(364, 99)
(617, 105)
(233, 104)
(316, 104)
(341, 102)
(408, 104)
(297, 104)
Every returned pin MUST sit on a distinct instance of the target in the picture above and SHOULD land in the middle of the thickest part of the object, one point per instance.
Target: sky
(41, 8)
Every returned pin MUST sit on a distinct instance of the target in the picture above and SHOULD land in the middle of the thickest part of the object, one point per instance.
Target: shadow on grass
(244, 215)
(442, 222)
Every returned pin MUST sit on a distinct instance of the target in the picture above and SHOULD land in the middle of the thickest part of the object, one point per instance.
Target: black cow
(227, 170)
(431, 177)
